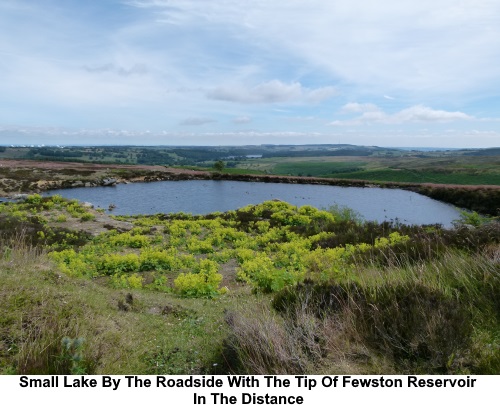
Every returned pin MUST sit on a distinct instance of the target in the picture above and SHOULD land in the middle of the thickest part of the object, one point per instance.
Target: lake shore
(26, 176)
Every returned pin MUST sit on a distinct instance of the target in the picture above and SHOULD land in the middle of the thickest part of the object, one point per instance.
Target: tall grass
(262, 344)
(54, 324)
(437, 317)
(36, 315)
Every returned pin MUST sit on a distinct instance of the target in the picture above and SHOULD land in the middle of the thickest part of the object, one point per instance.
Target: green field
(423, 176)
(317, 169)
(460, 170)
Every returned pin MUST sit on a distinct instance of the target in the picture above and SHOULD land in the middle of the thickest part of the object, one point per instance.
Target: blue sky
(228, 72)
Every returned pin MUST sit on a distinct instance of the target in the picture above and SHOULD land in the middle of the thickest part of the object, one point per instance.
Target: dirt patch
(229, 280)
(101, 223)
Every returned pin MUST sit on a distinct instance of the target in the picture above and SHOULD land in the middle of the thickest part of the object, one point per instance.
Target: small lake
(205, 196)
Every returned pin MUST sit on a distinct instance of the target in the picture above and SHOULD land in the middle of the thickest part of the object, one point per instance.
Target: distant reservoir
(205, 196)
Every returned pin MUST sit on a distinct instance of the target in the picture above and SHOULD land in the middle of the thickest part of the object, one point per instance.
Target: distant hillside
(369, 163)
(485, 152)
(181, 155)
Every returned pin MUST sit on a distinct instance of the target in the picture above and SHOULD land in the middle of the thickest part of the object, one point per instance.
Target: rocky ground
(26, 176)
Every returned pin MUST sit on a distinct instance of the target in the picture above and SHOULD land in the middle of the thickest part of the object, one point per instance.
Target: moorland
(469, 179)
(264, 289)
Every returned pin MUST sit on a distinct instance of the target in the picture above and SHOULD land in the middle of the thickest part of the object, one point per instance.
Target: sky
(409, 73)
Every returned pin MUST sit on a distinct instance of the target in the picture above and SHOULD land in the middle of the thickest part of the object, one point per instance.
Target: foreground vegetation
(270, 288)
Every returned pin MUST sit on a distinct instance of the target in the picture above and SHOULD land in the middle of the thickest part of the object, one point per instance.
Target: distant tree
(219, 165)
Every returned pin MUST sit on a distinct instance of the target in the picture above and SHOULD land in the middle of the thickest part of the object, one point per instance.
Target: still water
(205, 196)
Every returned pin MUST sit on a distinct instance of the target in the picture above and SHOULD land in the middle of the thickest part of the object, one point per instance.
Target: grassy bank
(439, 317)
(51, 323)
(270, 288)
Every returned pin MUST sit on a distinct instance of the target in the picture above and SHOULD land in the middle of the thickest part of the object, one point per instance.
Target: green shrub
(194, 245)
(263, 275)
(73, 264)
(158, 260)
(471, 218)
(345, 214)
(160, 283)
(61, 218)
(204, 283)
(133, 281)
(129, 240)
(115, 263)
(87, 216)
(75, 209)
(34, 199)
(57, 199)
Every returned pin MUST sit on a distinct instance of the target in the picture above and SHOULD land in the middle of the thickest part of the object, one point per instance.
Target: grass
(122, 331)
(439, 168)
(317, 169)
(423, 176)
(441, 318)
(318, 292)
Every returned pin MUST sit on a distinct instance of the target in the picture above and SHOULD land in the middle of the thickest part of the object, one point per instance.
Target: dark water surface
(205, 196)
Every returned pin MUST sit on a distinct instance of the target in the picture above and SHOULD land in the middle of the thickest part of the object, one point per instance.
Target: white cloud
(273, 91)
(420, 113)
(302, 118)
(321, 94)
(371, 114)
(402, 46)
(269, 92)
(59, 84)
(357, 108)
(152, 63)
(242, 120)
(197, 121)
(136, 69)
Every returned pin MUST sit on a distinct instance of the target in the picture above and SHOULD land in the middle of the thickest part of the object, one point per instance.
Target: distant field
(315, 169)
(450, 169)
(460, 170)
(413, 176)
(460, 167)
